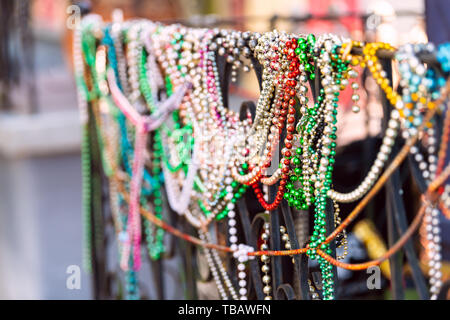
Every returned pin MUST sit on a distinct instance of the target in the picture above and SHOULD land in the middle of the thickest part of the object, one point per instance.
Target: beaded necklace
(162, 92)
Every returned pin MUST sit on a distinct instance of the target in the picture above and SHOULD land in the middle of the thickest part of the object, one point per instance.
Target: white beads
(265, 259)
(375, 170)
(79, 71)
(433, 250)
(241, 254)
(213, 259)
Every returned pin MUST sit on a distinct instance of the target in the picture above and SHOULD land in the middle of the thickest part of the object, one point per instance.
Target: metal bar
(275, 243)
(224, 70)
(214, 20)
(393, 186)
(251, 235)
(99, 241)
(300, 265)
(395, 262)
(285, 290)
(330, 227)
(157, 270)
(386, 54)
(256, 226)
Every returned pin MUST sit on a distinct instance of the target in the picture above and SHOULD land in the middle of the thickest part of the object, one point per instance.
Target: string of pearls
(213, 259)
(241, 255)
(433, 250)
(265, 236)
(376, 168)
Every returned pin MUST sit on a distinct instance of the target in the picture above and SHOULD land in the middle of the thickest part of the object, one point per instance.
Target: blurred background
(40, 180)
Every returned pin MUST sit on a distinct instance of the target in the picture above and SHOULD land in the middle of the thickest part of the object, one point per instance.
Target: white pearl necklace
(377, 166)
(433, 250)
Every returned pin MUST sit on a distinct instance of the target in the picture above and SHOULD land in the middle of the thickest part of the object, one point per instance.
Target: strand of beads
(106, 115)
(108, 161)
(285, 238)
(391, 131)
(117, 39)
(232, 227)
(333, 69)
(376, 168)
(310, 129)
(134, 50)
(416, 86)
(131, 285)
(242, 257)
(288, 85)
(213, 259)
(172, 58)
(154, 236)
(82, 96)
(341, 239)
(305, 52)
(267, 51)
(355, 97)
(132, 288)
(265, 235)
(226, 124)
(312, 291)
(156, 247)
(419, 86)
(433, 249)
(214, 272)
